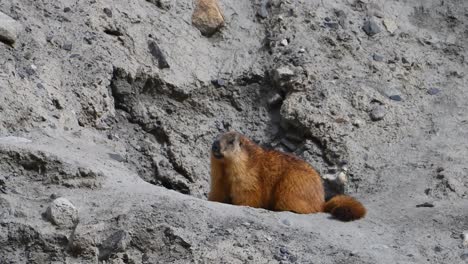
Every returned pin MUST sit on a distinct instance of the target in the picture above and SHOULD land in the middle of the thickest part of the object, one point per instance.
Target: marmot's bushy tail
(345, 208)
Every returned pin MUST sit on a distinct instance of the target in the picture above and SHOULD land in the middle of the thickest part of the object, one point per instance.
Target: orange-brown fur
(243, 173)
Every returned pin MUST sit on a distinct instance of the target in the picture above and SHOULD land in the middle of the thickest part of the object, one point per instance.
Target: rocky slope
(113, 105)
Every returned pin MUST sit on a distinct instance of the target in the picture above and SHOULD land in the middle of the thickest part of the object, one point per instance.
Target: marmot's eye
(231, 142)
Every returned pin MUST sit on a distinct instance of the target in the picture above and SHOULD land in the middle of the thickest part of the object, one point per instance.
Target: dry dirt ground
(113, 105)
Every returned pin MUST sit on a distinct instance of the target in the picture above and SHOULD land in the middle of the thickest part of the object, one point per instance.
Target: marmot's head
(227, 145)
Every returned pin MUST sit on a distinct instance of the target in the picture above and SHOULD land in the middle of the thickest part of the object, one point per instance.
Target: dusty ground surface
(113, 105)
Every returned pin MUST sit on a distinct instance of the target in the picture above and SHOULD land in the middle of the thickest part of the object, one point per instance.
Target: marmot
(243, 173)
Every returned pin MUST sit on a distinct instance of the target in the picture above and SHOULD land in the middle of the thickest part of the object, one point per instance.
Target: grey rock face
(121, 120)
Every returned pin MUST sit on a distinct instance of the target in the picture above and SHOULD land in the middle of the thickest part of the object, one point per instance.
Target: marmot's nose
(215, 147)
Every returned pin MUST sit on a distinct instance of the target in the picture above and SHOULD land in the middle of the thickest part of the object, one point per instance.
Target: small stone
(117, 157)
(404, 60)
(62, 212)
(207, 17)
(437, 249)
(377, 57)
(302, 50)
(158, 55)
(284, 250)
(395, 97)
(250, 257)
(371, 28)
(218, 82)
(283, 73)
(433, 91)
(263, 10)
(286, 222)
(377, 113)
(284, 42)
(107, 11)
(358, 123)
(426, 204)
(67, 46)
(390, 25)
(8, 29)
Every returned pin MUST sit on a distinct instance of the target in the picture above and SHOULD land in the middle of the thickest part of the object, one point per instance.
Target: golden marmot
(243, 173)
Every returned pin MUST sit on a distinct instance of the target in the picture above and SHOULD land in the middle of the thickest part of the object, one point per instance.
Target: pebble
(284, 250)
(426, 204)
(284, 42)
(107, 11)
(286, 222)
(117, 157)
(282, 73)
(67, 46)
(395, 98)
(377, 113)
(62, 212)
(263, 11)
(158, 55)
(332, 25)
(207, 17)
(67, 9)
(358, 123)
(218, 82)
(390, 25)
(377, 57)
(8, 29)
(433, 91)
(371, 28)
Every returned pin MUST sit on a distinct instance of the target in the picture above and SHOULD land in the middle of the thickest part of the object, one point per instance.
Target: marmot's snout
(216, 149)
